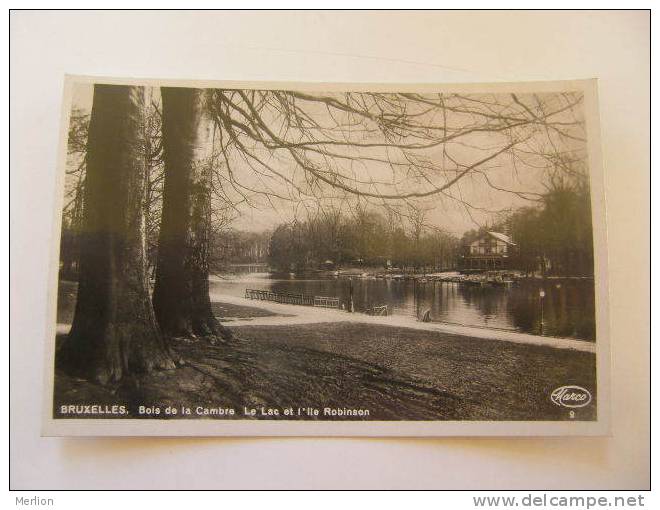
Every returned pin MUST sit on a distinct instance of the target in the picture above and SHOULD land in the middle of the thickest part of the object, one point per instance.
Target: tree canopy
(391, 148)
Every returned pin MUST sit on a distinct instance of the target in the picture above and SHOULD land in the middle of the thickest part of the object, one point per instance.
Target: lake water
(568, 305)
(567, 308)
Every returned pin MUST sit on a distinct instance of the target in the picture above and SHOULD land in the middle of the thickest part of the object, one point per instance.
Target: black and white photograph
(279, 254)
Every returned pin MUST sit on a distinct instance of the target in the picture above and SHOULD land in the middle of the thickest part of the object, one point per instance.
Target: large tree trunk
(68, 254)
(181, 294)
(114, 331)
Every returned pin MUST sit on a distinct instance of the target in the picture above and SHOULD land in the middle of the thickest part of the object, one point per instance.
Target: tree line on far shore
(332, 239)
(552, 237)
(556, 238)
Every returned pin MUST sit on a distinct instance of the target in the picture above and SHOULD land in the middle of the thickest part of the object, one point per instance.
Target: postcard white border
(243, 428)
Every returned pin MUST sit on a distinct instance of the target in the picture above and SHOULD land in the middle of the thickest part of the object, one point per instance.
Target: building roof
(502, 237)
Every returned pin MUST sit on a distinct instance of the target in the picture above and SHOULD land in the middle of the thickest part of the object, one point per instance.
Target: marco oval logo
(571, 396)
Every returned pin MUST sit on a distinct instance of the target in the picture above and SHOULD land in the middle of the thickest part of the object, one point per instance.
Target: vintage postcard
(328, 259)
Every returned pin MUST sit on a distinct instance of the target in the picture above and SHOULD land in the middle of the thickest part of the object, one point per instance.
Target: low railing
(280, 297)
(326, 302)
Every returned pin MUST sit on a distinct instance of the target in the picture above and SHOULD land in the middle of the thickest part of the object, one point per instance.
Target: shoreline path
(297, 314)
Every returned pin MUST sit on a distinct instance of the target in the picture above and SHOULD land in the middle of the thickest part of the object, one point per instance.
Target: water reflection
(567, 308)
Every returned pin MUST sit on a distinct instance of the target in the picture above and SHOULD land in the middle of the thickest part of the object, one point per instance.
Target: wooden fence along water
(292, 298)
(326, 302)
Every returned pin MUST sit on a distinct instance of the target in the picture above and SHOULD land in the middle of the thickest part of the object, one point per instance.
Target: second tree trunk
(181, 294)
